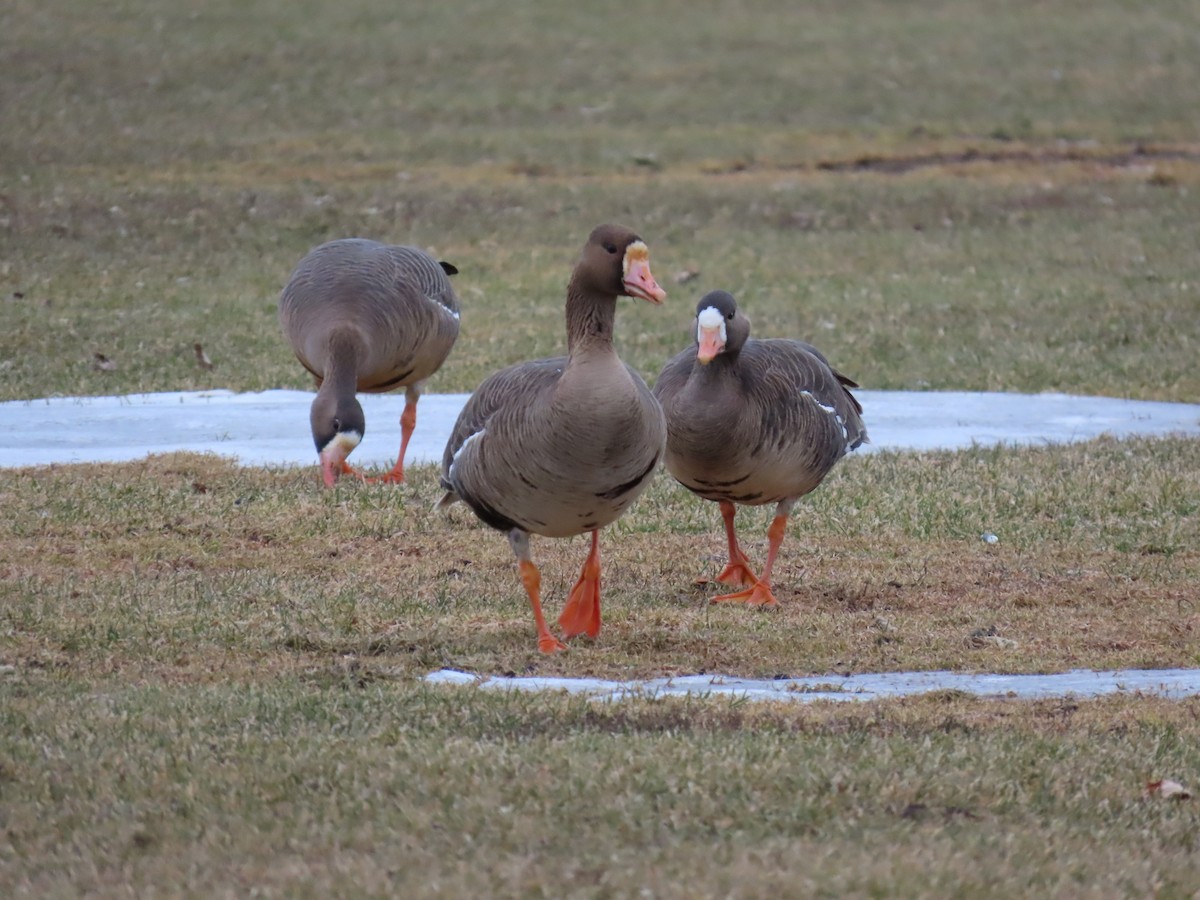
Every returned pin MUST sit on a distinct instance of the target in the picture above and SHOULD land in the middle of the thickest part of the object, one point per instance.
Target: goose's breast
(760, 453)
(578, 463)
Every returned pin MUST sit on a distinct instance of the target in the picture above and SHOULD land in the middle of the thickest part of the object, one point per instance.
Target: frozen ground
(271, 428)
(1173, 683)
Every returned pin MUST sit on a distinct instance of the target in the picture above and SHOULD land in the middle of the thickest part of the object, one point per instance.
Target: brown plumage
(753, 422)
(365, 316)
(563, 446)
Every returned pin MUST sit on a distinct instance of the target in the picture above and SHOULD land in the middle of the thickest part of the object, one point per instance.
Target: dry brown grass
(162, 564)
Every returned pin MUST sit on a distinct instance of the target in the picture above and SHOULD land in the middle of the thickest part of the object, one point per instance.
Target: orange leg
(760, 594)
(737, 573)
(408, 423)
(581, 615)
(531, 578)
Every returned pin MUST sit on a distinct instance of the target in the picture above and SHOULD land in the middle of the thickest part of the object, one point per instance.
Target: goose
(562, 446)
(753, 422)
(366, 316)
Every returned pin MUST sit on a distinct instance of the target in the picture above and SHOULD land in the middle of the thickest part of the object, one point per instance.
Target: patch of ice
(1170, 683)
(267, 428)
(271, 427)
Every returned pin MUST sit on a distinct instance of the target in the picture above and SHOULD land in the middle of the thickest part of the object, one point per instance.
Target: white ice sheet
(1173, 683)
(271, 427)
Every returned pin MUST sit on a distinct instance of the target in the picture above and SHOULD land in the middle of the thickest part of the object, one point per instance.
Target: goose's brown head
(337, 428)
(616, 261)
(720, 326)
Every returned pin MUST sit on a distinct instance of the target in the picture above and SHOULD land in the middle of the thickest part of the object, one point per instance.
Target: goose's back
(399, 299)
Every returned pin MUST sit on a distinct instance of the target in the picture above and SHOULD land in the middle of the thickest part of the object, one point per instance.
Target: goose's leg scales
(760, 593)
(408, 423)
(737, 573)
(532, 581)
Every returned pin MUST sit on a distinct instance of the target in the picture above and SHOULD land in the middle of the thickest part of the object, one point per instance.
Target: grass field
(209, 676)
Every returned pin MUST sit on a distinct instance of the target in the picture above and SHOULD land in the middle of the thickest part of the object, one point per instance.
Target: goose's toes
(548, 643)
(396, 476)
(331, 473)
(758, 595)
(737, 574)
(347, 469)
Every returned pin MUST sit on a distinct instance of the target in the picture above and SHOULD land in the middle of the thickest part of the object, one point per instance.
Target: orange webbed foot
(331, 473)
(548, 643)
(581, 615)
(757, 595)
(737, 574)
(396, 476)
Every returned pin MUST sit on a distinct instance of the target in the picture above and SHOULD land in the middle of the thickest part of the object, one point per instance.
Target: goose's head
(720, 326)
(337, 427)
(615, 261)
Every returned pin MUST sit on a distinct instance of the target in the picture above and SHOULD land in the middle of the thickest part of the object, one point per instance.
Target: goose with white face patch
(563, 446)
(753, 422)
(371, 317)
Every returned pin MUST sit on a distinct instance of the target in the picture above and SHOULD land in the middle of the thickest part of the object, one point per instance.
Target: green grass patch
(318, 785)
(165, 565)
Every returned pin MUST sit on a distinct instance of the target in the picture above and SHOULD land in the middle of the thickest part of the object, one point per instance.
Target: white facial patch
(341, 445)
(347, 440)
(710, 317)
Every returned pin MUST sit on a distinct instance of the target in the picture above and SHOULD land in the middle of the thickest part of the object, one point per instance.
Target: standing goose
(562, 446)
(365, 316)
(753, 422)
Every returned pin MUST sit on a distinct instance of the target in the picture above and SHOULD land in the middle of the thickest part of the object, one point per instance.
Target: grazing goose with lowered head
(365, 316)
(753, 422)
(563, 446)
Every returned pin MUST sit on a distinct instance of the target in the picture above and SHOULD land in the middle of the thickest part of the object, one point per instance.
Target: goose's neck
(344, 354)
(589, 321)
(719, 370)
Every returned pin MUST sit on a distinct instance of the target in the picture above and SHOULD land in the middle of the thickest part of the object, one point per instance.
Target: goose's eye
(610, 247)
(337, 424)
(729, 316)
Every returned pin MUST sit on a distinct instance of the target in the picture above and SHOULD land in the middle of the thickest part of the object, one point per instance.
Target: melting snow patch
(258, 429)
(271, 427)
(1170, 683)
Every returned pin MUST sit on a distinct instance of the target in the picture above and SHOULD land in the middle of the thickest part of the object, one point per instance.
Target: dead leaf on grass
(990, 637)
(995, 640)
(1168, 790)
(202, 359)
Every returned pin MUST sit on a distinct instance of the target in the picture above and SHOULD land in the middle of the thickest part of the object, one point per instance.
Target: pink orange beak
(711, 343)
(639, 282)
(333, 457)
